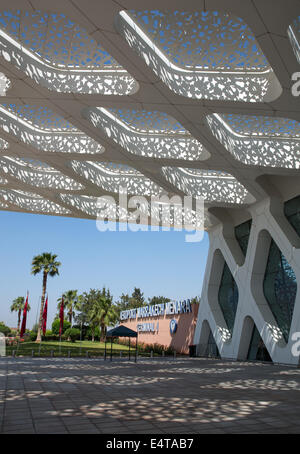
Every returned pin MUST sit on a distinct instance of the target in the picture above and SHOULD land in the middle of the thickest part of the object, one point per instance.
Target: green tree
(100, 310)
(158, 300)
(4, 329)
(72, 303)
(123, 303)
(72, 334)
(196, 300)
(87, 300)
(18, 305)
(56, 324)
(47, 264)
(131, 302)
(137, 297)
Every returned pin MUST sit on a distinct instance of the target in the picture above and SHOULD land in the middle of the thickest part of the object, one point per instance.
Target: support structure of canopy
(120, 331)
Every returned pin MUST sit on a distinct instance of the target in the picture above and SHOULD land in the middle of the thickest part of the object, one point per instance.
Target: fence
(68, 350)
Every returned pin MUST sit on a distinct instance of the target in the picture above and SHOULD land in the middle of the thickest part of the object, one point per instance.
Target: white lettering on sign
(125, 315)
(156, 310)
(145, 327)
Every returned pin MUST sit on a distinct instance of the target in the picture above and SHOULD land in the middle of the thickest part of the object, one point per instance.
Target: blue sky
(160, 263)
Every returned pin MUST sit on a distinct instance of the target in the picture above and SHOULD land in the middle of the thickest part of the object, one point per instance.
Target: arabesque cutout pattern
(60, 56)
(217, 56)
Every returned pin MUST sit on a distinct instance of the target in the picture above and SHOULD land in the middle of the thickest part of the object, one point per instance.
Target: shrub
(73, 334)
(56, 325)
(147, 348)
(27, 337)
(155, 348)
(4, 329)
(11, 341)
(88, 335)
(84, 330)
(51, 337)
(32, 336)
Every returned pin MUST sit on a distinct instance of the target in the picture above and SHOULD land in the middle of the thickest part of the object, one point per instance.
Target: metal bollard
(51, 353)
(120, 354)
(14, 353)
(163, 353)
(174, 355)
(151, 354)
(32, 353)
(69, 353)
(87, 354)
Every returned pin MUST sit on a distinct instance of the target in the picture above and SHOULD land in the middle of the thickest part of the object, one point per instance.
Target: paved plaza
(163, 396)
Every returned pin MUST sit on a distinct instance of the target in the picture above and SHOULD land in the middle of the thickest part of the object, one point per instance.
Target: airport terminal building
(169, 324)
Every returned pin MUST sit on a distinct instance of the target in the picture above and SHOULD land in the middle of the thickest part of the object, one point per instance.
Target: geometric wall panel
(264, 286)
(209, 184)
(257, 349)
(260, 141)
(292, 213)
(294, 36)
(59, 55)
(280, 288)
(86, 204)
(32, 202)
(228, 297)
(112, 180)
(160, 138)
(242, 233)
(211, 348)
(46, 177)
(21, 123)
(217, 56)
(3, 181)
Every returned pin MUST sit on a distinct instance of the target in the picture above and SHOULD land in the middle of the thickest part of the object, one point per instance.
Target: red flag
(23, 327)
(45, 316)
(61, 316)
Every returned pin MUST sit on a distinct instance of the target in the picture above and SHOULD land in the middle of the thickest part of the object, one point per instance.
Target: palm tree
(72, 302)
(47, 264)
(17, 306)
(103, 312)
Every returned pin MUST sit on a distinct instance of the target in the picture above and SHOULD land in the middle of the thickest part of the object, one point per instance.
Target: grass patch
(63, 349)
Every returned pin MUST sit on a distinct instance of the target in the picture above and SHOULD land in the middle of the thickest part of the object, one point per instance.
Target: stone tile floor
(161, 396)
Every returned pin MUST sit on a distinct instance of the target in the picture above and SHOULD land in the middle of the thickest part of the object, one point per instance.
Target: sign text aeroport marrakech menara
(157, 310)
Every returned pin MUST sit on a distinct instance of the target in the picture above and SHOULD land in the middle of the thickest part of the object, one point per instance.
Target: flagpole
(23, 326)
(44, 322)
(41, 337)
(19, 336)
(80, 337)
(60, 330)
(61, 324)
(40, 344)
